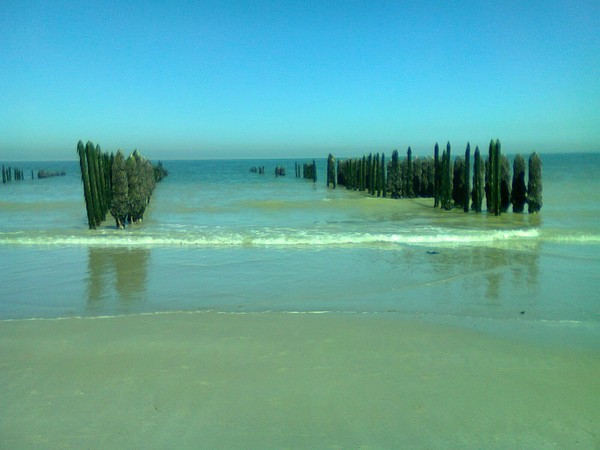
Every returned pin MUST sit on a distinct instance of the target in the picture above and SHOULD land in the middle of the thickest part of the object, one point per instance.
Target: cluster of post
(50, 173)
(309, 171)
(363, 174)
(113, 183)
(448, 182)
(9, 174)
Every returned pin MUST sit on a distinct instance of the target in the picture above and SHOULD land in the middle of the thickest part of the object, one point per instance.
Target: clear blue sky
(249, 79)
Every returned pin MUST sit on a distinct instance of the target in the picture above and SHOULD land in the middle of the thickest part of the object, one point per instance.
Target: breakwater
(12, 174)
(50, 173)
(115, 184)
(462, 182)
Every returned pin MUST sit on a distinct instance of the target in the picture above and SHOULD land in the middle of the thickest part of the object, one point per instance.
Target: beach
(279, 380)
(254, 311)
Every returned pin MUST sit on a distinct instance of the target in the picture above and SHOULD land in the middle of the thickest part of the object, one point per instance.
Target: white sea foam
(425, 236)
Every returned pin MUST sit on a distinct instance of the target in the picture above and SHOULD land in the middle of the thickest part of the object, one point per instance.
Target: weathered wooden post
(478, 181)
(314, 164)
(376, 190)
(120, 191)
(519, 188)
(447, 179)
(497, 194)
(363, 173)
(382, 177)
(409, 189)
(467, 182)
(394, 175)
(505, 183)
(89, 153)
(489, 179)
(87, 190)
(458, 181)
(436, 176)
(367, 173)
(534, 184)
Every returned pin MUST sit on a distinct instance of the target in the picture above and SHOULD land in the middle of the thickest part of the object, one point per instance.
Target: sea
(252, 310)
(217, 236)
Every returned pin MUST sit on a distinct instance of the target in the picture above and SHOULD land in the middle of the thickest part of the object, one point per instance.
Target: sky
(249, 79)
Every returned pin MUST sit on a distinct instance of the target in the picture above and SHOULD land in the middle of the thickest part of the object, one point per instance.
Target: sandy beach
(279, 380)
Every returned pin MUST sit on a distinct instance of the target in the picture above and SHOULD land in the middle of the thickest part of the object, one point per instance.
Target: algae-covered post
(478, 181)
(331, 171)
(446, 197)
(367, 173)
(394, 175)
(436, 176)
(519, 188)
(382, 177)
(120, 191)
(409, 182)
(87, 190)
(376, 176)
(505, 183)
(489, 181)
(496, 176)
(458, 181)
(467, 179)
(91, 166)
(534, 184)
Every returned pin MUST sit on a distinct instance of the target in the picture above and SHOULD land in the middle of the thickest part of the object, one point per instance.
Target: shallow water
(219, 237)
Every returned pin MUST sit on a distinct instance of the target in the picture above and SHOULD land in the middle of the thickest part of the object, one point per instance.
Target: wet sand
(277, 380)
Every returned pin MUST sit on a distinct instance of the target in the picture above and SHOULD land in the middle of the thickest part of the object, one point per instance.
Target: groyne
(12, 174)
(463, 182)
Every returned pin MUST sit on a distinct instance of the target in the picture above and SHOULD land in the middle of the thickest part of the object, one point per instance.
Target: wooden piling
(467, 179)
(519, 188)
(478, 181)
(534, 184)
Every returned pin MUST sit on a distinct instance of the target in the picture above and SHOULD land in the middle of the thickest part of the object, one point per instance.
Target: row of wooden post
(12, 174)
(447, 181)
(307, 170)
(363, 174)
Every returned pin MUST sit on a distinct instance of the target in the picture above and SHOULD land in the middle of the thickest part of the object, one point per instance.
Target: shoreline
(568, 335)
(287, 380)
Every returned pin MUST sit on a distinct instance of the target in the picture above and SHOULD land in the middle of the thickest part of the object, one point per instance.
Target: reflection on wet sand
(116, 275)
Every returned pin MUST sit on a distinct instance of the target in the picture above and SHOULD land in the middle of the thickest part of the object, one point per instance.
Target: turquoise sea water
(218, 237)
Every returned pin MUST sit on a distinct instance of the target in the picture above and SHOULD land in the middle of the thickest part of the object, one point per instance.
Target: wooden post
(458, 182)
(446, 197)
(409, 189)
(85, 178)
(534, 184)
(467, 182)
(382, 177)
(496, 175)
(478, 182)
(436, 176)
(519, 189)
(505, 183)
(489, 178)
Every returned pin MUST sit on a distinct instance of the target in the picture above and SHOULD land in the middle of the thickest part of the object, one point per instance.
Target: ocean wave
(573, 238)
(424, 236)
